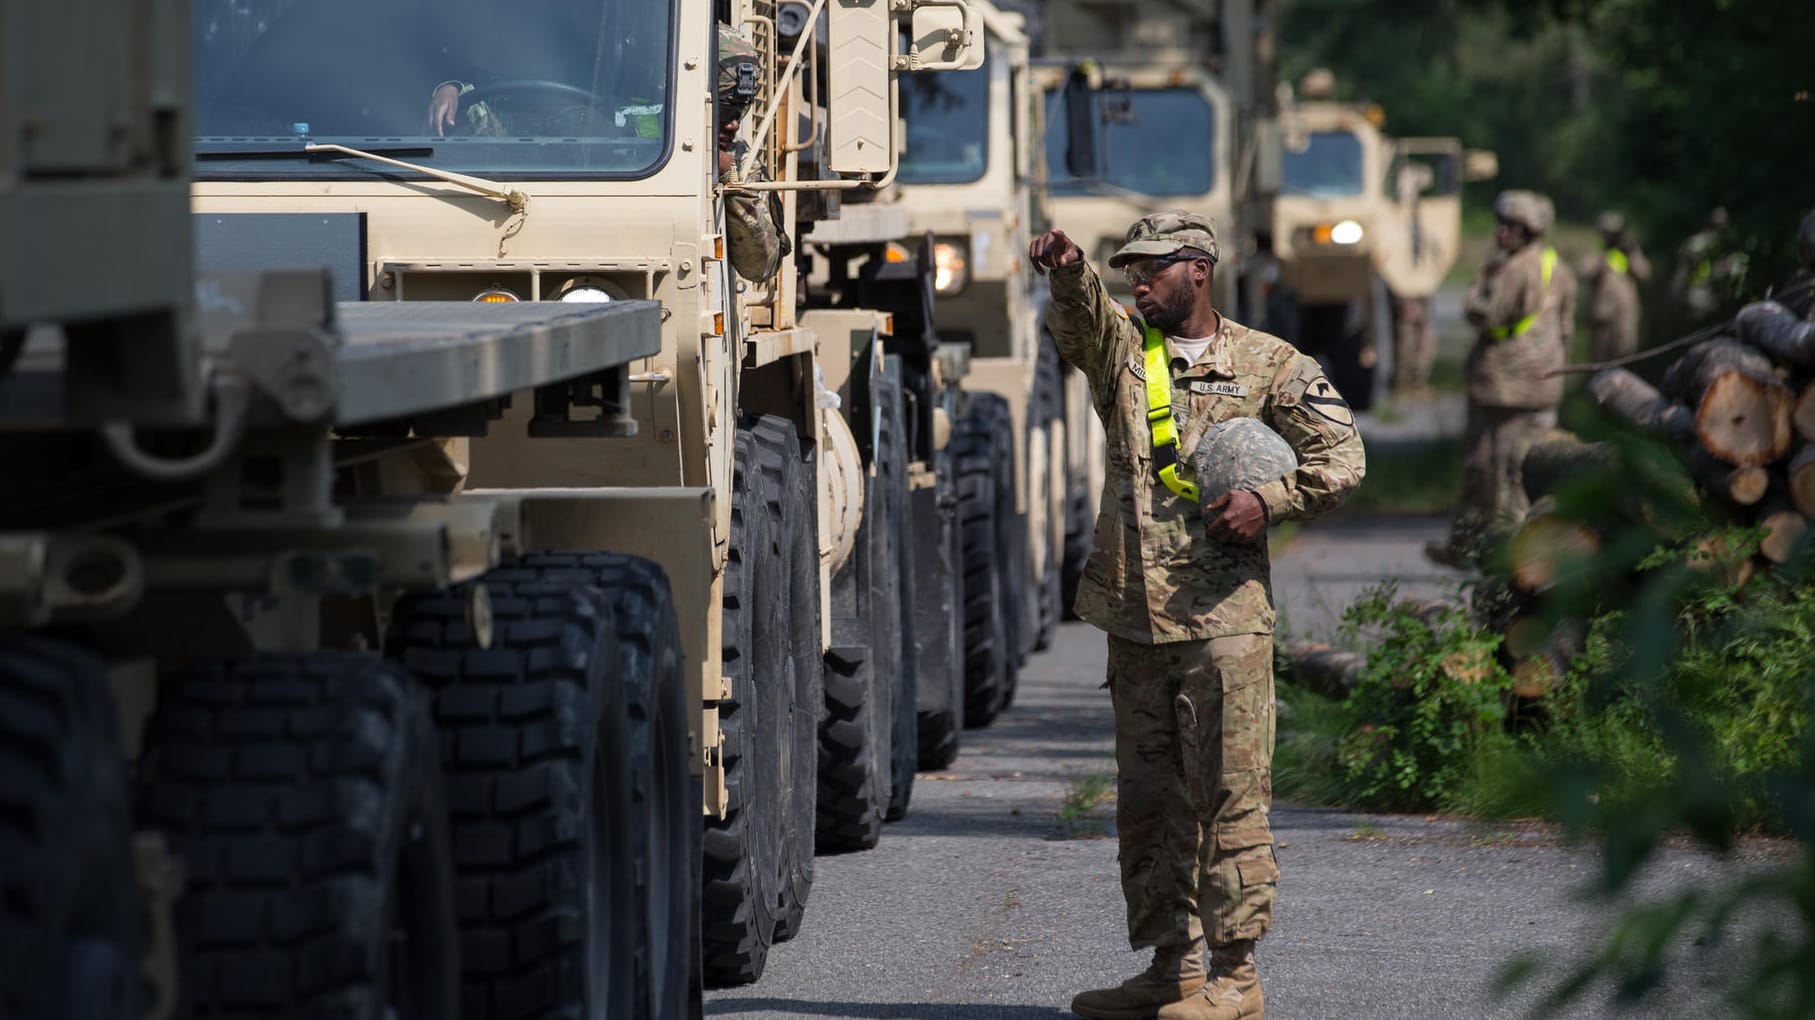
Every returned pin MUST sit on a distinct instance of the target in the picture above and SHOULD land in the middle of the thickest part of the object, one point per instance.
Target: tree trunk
(1559, 457)
(1772, 328)
(1630, 398)
(1536, 673)
(1689, 376)
(1547, 546)
(1720, 561)
(1802, 480)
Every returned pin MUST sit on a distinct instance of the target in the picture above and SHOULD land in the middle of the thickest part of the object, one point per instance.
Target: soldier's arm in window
(1306, 409)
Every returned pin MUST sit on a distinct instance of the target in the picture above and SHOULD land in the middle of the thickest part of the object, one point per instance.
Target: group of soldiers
(1522, 306)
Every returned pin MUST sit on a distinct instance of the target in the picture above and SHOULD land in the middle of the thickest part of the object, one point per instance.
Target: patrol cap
(1526, 208)
(738, 67)
(1611, 223)
(1163, 233)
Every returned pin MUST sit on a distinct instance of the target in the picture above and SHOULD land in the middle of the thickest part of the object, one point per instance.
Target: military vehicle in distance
(355, 585)
(1361, 218)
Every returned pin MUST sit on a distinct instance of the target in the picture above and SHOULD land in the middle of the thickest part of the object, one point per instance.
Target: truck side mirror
(1082, 143)
(946, 35)
(1269, 156)
(1480, 165)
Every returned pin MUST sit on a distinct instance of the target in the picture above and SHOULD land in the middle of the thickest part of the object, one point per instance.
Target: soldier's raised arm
(1085, 322)
(1313, 417)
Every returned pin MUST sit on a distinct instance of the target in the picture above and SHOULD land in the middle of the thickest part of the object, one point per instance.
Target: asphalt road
(983, 905)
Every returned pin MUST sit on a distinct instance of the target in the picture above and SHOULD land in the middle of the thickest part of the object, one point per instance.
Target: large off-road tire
(984, 453)
(940, 625)
(1047, 415)
(745, 863)
(665, 797)
(856, 740)
(538, 729)
(1080, 524)
(791, 477)
(895, 591)
(303, 797)
(71, 931)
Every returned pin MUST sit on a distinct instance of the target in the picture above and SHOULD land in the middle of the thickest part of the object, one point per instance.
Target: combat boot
(1175, 973)
(1232, 993)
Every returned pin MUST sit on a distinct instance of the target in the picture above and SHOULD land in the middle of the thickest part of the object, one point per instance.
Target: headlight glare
(1346, 232)
(951, 268)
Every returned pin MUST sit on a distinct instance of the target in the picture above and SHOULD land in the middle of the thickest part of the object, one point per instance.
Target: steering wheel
(555, 92)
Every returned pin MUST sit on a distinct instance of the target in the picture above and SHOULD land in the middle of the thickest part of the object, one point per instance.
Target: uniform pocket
(1259, 871)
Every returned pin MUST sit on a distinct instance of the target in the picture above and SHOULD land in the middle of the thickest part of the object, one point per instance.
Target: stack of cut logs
(1740, 408)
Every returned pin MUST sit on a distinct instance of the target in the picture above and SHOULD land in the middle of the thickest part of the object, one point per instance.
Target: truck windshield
(545, 88)
(1164, 143)
(947, 114)
(1329, 166)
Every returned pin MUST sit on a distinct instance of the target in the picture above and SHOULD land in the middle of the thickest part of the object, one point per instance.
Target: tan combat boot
(1175, 973)
(1232, 993)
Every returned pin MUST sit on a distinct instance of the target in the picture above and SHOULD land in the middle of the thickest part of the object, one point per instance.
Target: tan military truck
(356, 585)
(968, 193)
(1361, 219)
(1184, 118)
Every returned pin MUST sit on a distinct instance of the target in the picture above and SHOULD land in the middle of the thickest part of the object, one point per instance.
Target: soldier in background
(1512, 400)
(1705, 278)
(1182, 590)
(1414, 346)
(1563, 280)
(1613, 280)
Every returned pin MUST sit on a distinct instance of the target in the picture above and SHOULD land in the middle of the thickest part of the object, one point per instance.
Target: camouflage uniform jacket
(755, 242)
(1154, 574)
(1508, 370)
(1564, 290)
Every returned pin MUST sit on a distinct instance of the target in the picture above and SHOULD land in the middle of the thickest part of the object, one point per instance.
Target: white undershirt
(1190, 349)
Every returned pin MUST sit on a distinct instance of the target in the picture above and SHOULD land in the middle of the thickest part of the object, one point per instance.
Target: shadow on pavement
(885, 1010)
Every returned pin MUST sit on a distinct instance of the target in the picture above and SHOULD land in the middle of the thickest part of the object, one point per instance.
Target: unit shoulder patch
(1322, 398)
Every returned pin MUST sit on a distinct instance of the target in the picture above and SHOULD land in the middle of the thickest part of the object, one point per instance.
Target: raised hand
(1052, 250)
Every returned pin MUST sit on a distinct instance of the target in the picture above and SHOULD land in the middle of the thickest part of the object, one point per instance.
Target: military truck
(1160, 73)
(355, 586)
(964, 204)
(1361, 218)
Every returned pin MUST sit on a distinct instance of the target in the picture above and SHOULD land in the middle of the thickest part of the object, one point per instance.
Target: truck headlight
(951, 268)
(1346, 232)
(588, 290)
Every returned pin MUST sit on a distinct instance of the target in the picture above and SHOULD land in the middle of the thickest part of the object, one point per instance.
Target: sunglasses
(1145, 272)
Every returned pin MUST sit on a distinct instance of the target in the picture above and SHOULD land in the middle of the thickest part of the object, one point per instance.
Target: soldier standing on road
(1512, 401)
(1184, 594)
(1613, 279)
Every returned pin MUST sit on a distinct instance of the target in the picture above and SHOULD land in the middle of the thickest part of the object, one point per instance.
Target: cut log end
(1744, 420)
(1546, 547)
(1783, 533)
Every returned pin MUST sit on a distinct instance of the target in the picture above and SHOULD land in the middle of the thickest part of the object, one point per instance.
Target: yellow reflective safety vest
(1549, 262)
(1618, 262)
(1159, 412)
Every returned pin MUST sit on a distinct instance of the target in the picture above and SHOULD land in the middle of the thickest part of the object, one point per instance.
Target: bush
(1431, 699)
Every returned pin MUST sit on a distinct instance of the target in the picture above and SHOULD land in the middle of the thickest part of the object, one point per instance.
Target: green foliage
(1660, 108)
(1430, 700)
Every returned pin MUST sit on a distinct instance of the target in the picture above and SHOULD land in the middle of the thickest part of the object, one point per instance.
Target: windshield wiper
(304, 152)
(517, 200)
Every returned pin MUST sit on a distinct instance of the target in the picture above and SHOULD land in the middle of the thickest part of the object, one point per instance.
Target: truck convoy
(374, 640)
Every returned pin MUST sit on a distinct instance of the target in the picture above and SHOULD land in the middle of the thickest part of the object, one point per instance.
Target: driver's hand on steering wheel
(443, 107)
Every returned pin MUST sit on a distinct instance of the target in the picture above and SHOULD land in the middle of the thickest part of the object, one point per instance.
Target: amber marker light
(496, 296)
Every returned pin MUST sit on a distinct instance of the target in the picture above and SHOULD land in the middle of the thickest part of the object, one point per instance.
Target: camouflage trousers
(1194, 749)
(1493, 484)
(1414, 344)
